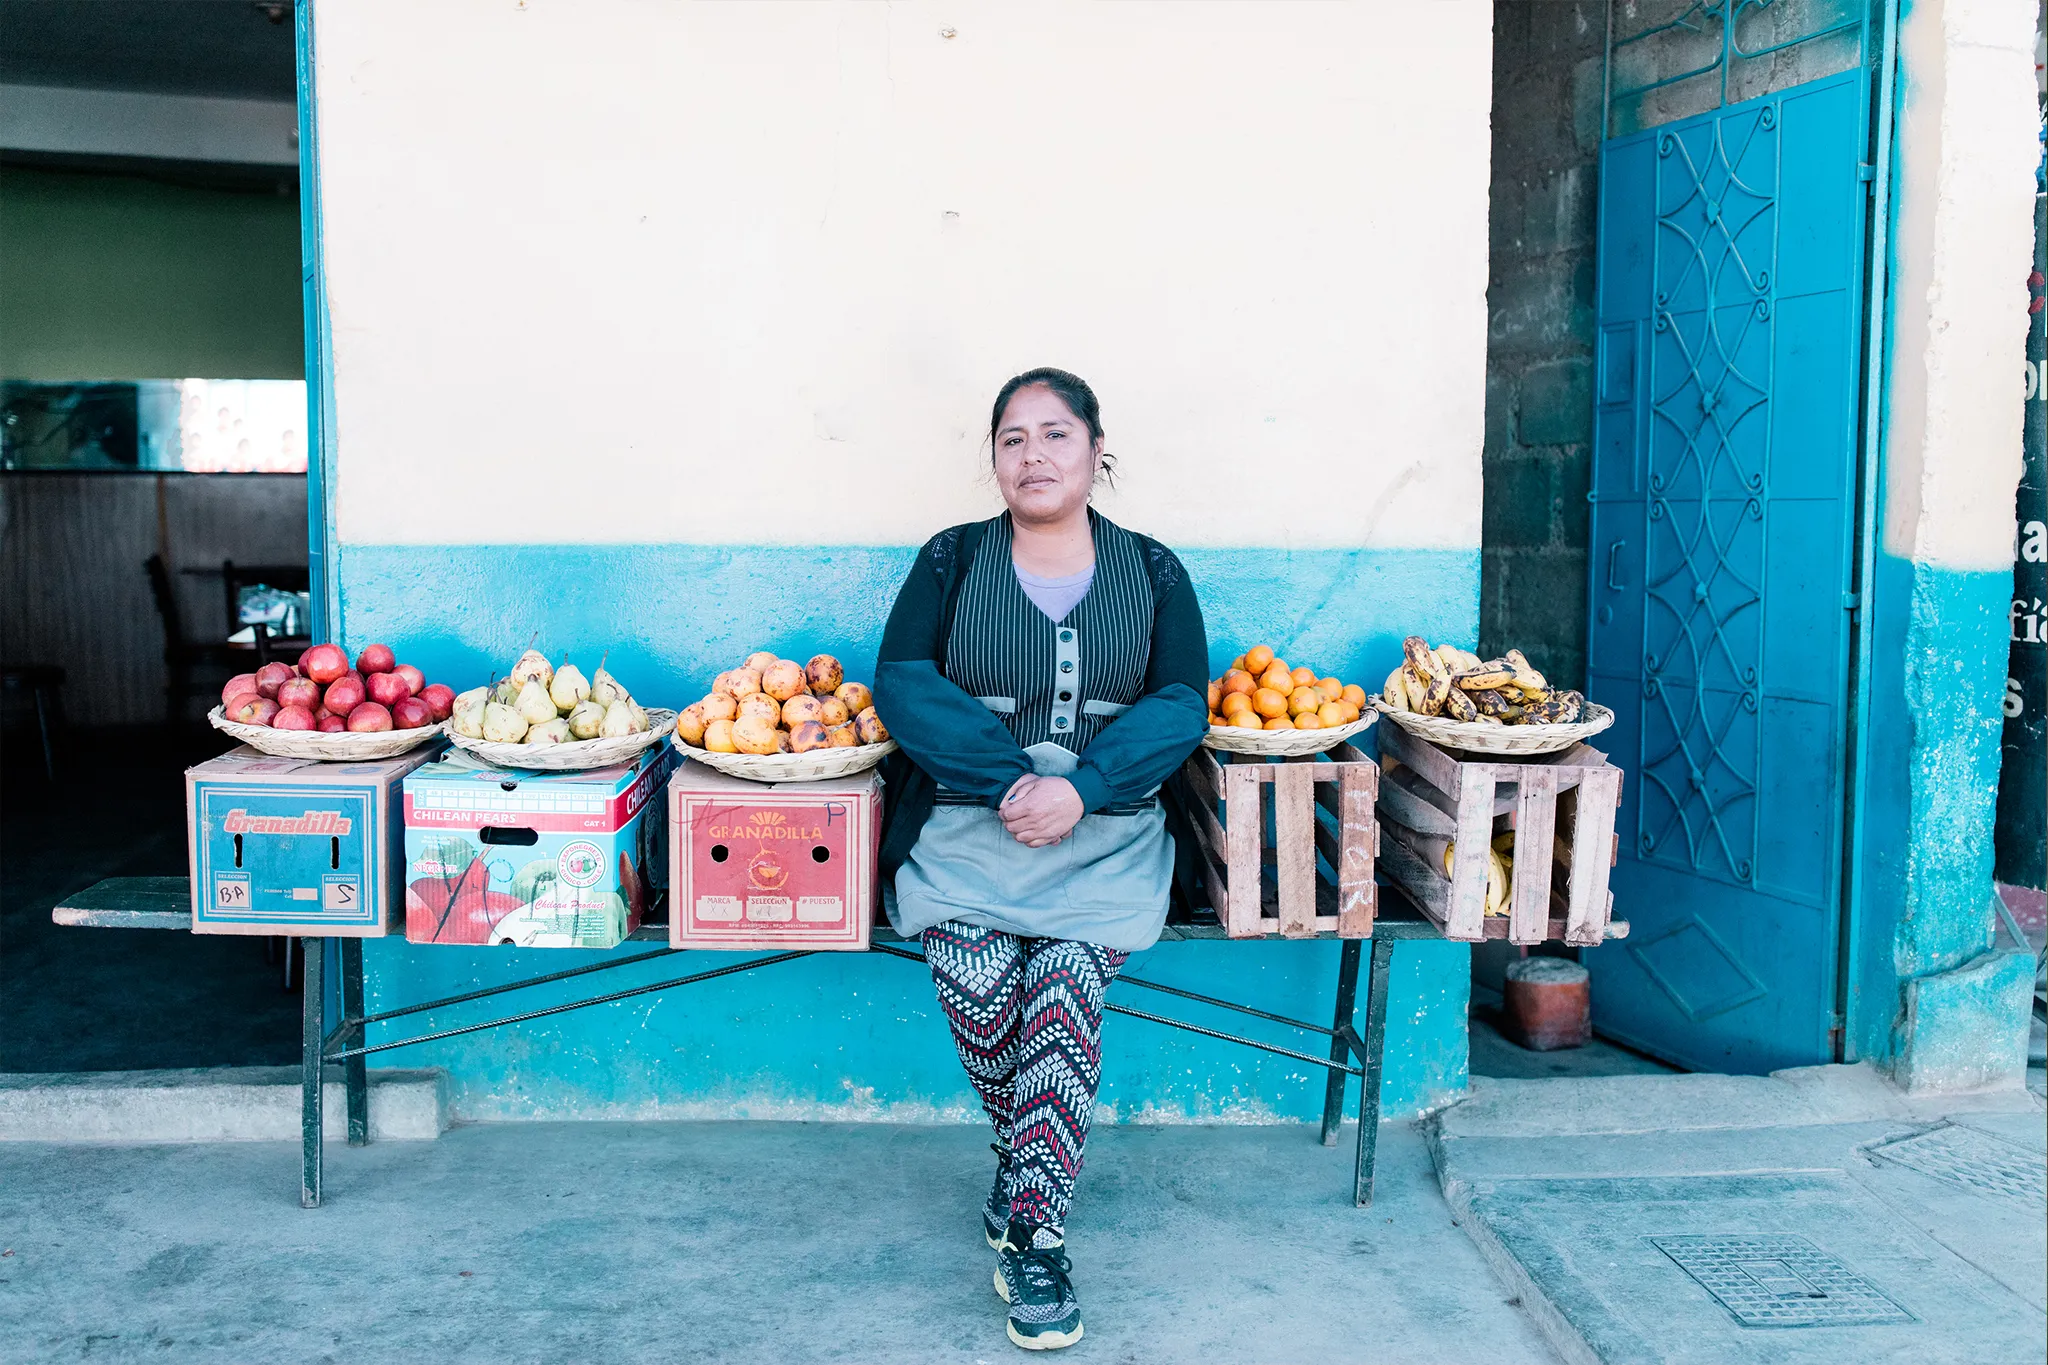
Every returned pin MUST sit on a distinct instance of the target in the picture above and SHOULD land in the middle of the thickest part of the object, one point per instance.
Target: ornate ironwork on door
(1710, 371)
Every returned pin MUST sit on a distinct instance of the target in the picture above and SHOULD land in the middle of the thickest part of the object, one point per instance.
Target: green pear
(503, 724)
(535, 706)
(506, 693)
(640, 721)
(586, 720)
(554, 731)
(533, 664)
(467, 719)
(618, 721)
(474, 694)
(604, 688)
(568, 688)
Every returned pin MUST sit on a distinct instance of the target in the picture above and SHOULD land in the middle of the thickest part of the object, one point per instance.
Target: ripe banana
(1526, 678)
(1458, 705)
(1498, 877)
(1394, 691)
(1486, 677)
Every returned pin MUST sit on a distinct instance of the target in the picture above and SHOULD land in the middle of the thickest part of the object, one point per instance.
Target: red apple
(386, 689)
(344, 694)
(237, 685)
(367, 717)
(293, 718)
(414, 679)
(376, 659)
(299, 692)
(440, 699)
(324, 663)
(411, 713)
(332, 725)
(272, 676)
(250, 709)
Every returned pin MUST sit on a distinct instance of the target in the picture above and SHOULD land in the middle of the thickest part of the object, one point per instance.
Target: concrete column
(1931, 997)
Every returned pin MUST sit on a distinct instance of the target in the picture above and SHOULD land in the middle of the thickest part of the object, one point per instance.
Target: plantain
(1504, 843)
(1394, 692)
(1485, 719)
(1559, 708)
(1492, 703)
(1420, 661)
(1526, 677)
(1458, 706)
(1437, 693)
(1496, 884)
(1485, 678)
(1574, 705)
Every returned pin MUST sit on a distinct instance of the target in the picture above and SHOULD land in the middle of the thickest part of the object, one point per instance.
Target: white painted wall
(626, 271)
(1962, 250)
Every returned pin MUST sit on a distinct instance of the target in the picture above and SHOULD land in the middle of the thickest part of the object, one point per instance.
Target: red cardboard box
(772, 865)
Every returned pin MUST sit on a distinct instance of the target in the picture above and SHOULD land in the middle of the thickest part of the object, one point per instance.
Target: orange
(1351, 712)
(1234, 702)
(1215, 719)
(1280, 723)
(1331, 714)
(1354, 694)
(1269, 703)
(1215, 697)
(1247, 719)
(1257, 657)
(1307, 721)
(1304, 676)
(1330, 688)
(1303, 699)
(1278, 678)
(1238, 662)
(1237, 680)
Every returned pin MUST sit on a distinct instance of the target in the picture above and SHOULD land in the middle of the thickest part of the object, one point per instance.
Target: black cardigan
(949, 737)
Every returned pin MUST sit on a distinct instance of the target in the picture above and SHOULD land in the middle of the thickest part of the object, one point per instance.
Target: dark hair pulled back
(1070, 389)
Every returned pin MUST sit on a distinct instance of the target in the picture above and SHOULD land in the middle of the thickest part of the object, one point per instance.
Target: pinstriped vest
(1057, 682)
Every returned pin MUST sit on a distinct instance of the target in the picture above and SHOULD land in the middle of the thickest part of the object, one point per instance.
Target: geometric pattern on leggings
(1026, 1015)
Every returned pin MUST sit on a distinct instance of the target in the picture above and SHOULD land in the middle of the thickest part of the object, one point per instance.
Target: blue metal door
(1724, 480)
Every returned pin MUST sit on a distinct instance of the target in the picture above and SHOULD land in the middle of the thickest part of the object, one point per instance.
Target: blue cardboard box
(291, 846)
(532, 858)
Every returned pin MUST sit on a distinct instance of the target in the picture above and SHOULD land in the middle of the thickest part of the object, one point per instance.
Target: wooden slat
(1475, 832)
(1242, 829)
(1432, 764)
(1404, 798)
(1358, 841)
(1428, 847)
(1209, 830)
(1535, 827)
(1204, 777)
(1294, 822)
(1593, 844)
(1428, 892)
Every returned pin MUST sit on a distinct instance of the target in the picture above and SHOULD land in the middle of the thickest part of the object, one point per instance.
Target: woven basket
(816, 766)
(574, 756)
(1477, 737)
(1284, 743)
(343, 747)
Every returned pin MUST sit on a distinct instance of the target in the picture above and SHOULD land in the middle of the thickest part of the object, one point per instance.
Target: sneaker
(1031, 1276)
(995, 1214)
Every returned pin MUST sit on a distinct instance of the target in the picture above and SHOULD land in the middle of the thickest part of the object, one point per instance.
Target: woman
(1044, 673)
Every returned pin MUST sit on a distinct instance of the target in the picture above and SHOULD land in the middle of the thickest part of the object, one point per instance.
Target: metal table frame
(1351, 1053)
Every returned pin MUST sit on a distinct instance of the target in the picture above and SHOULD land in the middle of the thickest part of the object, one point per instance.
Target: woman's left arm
(1145, 745)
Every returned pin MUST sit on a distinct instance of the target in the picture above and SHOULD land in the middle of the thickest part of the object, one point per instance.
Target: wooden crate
(1260, 869)
(1562, 808)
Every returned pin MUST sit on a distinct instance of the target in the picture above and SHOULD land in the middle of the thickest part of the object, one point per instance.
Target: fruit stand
(759, 809)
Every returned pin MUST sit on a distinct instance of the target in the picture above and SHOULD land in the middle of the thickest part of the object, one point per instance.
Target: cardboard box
(772, 865)
(291, 846)
(535, 859)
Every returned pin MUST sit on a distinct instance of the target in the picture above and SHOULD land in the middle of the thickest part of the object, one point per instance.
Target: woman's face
(1045, 460)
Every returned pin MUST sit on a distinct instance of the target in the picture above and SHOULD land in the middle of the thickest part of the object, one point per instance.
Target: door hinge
(1852, 602)
(1866, 172)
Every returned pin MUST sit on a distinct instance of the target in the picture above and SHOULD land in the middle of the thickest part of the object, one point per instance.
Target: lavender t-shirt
(1056, 596)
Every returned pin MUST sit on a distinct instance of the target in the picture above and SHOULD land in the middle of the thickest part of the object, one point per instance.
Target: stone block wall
(1539, 299)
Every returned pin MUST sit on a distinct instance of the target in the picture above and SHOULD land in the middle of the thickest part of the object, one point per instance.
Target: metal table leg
(356, 1069)
(312, 1041)
(1340, 1050)
(1372, 1056)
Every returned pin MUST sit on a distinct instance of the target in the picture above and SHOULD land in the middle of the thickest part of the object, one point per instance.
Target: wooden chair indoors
(182, 656)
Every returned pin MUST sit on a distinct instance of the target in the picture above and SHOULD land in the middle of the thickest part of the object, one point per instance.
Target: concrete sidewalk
(730, 1242)
(1816, 1215)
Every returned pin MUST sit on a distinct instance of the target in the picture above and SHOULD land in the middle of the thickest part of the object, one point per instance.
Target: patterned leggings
(1027, 1019)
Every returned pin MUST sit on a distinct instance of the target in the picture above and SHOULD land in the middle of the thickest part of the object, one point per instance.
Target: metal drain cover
(1778, 1281)
(1972, 1159)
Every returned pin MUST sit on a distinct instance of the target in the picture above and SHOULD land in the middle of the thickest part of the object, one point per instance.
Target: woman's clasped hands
(1038, 811)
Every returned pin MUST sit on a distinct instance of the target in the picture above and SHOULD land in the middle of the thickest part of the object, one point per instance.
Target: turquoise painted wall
(1930, 799)
(862, 1035)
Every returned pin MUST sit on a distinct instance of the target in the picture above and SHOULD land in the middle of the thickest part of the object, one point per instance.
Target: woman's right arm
(945, 731)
